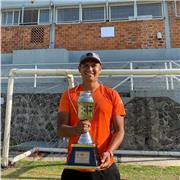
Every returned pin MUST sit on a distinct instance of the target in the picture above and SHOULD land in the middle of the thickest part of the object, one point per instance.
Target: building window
(36, 16)
(30, 17)
(154, 10)
(44, 16)
(10, 18)
(16, 17)
(177, 8)
(93, 14)
(121, 12)
(68, 15)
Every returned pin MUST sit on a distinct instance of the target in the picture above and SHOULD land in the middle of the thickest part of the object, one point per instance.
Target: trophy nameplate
(83, 157)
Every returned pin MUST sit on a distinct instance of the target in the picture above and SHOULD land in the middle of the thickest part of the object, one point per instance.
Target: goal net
(33, 95)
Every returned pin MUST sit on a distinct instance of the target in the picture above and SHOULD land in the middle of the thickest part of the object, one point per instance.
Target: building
(103, 25)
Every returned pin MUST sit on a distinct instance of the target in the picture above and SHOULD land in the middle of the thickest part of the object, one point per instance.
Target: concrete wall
(6, 58)
(132, 55)
(36, 56)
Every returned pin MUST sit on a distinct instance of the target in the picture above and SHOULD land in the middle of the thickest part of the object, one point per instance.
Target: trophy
(83, 154)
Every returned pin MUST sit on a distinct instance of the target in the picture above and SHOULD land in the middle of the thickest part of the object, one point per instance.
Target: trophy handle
(85, 138)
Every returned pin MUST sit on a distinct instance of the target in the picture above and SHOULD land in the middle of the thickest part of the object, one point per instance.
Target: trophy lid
(85, 92)
(85, 96)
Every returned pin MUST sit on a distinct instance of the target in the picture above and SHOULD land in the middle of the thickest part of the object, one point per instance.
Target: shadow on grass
(146, 160)
(35, 178)
(16, 174)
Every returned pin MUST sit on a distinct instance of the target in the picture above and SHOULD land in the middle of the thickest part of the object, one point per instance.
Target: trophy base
(83, 156)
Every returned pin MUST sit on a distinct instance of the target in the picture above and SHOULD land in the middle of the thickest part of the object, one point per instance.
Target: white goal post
(69, 73)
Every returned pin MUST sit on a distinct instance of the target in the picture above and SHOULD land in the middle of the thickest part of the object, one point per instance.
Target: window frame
(12, 20)
(29, 23)
(67, 22)
(177, 15)
(38, 16)
(117, 5)
(107, 7)
(149, 16)
(135, 17)
(95, 6)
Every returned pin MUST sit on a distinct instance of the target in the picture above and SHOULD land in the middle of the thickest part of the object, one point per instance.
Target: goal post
(69, 73)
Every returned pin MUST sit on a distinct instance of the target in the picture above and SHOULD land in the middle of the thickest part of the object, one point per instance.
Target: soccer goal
(35, 110)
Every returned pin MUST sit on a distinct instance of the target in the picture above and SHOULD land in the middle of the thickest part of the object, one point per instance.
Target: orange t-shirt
(107, 103)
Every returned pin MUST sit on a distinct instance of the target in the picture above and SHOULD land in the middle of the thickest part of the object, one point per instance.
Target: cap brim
(90, 59)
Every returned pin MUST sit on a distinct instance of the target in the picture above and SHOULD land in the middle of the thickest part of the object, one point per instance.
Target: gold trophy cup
(83, 154)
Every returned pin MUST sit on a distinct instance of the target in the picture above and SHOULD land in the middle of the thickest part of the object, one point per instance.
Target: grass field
(44, 170)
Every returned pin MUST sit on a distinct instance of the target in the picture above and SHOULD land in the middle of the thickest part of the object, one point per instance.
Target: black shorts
(111, 173)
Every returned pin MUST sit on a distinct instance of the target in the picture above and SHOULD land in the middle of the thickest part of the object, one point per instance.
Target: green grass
(139, 172)
(43, 170)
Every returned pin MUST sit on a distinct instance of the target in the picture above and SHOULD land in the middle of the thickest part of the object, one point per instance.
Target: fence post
(132, 83)
(35, 78)
(172, 82)
(166, 77)
(7, 124)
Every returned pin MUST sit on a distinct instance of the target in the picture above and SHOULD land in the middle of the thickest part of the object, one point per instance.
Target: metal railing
(159, 64)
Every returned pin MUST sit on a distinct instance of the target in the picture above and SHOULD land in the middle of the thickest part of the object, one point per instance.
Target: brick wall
(20, 37)
(128, 35)
(174, 23)
(85, 36)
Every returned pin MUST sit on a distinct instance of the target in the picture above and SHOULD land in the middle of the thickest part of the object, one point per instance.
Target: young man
(108, 112)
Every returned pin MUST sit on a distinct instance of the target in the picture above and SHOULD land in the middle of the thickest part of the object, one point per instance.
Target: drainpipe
(166, 24)
(52, 27)
(107, 11)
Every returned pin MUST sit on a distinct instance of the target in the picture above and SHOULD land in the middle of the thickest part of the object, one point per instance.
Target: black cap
(88, 56)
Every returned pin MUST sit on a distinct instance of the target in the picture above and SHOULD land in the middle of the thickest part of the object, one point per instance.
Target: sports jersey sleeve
(64, 103)
(118, 106)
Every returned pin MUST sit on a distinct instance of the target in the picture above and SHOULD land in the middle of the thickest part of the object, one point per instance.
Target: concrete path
(138, 160)
(153, 161)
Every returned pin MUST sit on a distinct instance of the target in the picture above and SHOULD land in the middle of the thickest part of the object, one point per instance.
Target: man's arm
(118, 134)
(117, 138)
(63, 129)
(66, 130)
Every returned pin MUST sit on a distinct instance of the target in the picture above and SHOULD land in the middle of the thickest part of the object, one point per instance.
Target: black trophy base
(83, 156)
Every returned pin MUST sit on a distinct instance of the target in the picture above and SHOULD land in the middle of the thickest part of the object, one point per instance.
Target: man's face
(90, 70)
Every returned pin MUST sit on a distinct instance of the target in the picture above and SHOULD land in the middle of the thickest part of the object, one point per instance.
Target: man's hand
(83, 127)
(105, 160)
